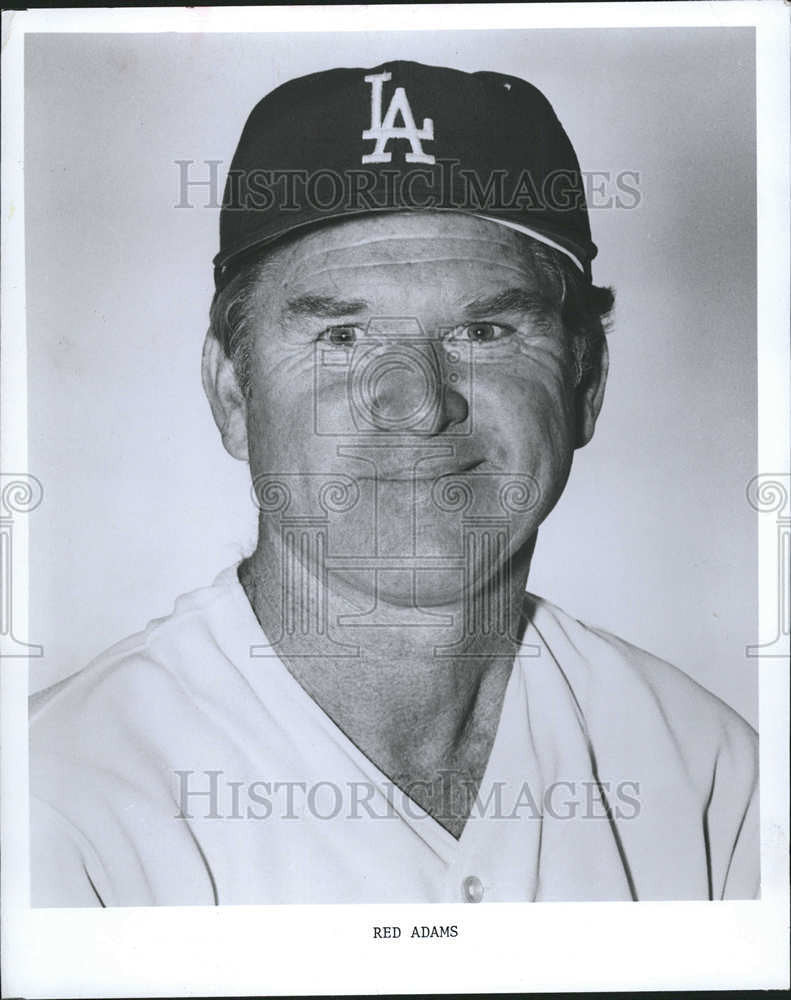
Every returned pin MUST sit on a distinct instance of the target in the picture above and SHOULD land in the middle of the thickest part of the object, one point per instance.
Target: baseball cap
(402, 136)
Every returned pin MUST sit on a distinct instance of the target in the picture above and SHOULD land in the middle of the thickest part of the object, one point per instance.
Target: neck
(420, 690)
(364, 650)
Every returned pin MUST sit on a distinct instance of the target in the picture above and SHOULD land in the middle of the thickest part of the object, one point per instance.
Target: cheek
(525, 401)
(280, 405)
(530, 433)
(281, 377)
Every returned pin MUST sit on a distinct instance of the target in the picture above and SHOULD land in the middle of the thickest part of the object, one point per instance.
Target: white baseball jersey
(178, 768)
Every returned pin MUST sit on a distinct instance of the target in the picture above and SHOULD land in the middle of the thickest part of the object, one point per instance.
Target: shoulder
(691, 760)
(105, 748)
(142, 683)
(632, 698)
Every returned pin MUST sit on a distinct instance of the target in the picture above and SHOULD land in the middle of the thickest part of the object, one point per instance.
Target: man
(406, 346)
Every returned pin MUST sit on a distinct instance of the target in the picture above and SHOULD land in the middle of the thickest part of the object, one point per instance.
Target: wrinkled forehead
(395, 247)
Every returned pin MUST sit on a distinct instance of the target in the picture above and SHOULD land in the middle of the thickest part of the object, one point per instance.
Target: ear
(227, 402)
(591, 395)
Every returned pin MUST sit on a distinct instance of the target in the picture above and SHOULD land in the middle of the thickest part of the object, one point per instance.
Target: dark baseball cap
(402, 136)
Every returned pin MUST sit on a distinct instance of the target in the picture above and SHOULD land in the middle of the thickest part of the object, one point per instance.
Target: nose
(409, 387)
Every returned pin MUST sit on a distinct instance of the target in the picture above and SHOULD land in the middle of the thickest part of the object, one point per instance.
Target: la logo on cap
(385, 130)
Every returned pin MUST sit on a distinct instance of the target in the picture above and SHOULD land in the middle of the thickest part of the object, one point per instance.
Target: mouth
(418, 473)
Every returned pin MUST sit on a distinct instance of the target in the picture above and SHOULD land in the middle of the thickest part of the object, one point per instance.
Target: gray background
(653, 539)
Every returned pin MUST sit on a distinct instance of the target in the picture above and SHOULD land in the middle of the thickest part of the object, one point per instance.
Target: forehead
(394, 248)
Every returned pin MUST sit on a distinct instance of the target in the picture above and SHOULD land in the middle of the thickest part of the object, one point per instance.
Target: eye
(341, 336)
(482, 333)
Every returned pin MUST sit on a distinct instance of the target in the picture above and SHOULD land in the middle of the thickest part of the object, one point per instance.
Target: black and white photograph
(399, 512)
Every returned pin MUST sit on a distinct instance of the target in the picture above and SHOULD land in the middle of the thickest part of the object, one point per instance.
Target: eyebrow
(508, 300)
(324, 305)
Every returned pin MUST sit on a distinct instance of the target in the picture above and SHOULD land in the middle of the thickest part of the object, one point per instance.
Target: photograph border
(329, 949)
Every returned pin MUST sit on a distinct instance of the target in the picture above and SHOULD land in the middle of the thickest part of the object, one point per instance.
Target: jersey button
(472, 888)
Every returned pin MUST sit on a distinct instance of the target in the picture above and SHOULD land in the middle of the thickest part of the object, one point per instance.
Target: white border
(406, 17)
(328, 949)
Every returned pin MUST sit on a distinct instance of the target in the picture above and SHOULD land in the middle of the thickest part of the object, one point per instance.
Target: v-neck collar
(242, 631)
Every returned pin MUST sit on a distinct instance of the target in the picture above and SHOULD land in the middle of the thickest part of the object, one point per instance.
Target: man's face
(417, 355)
